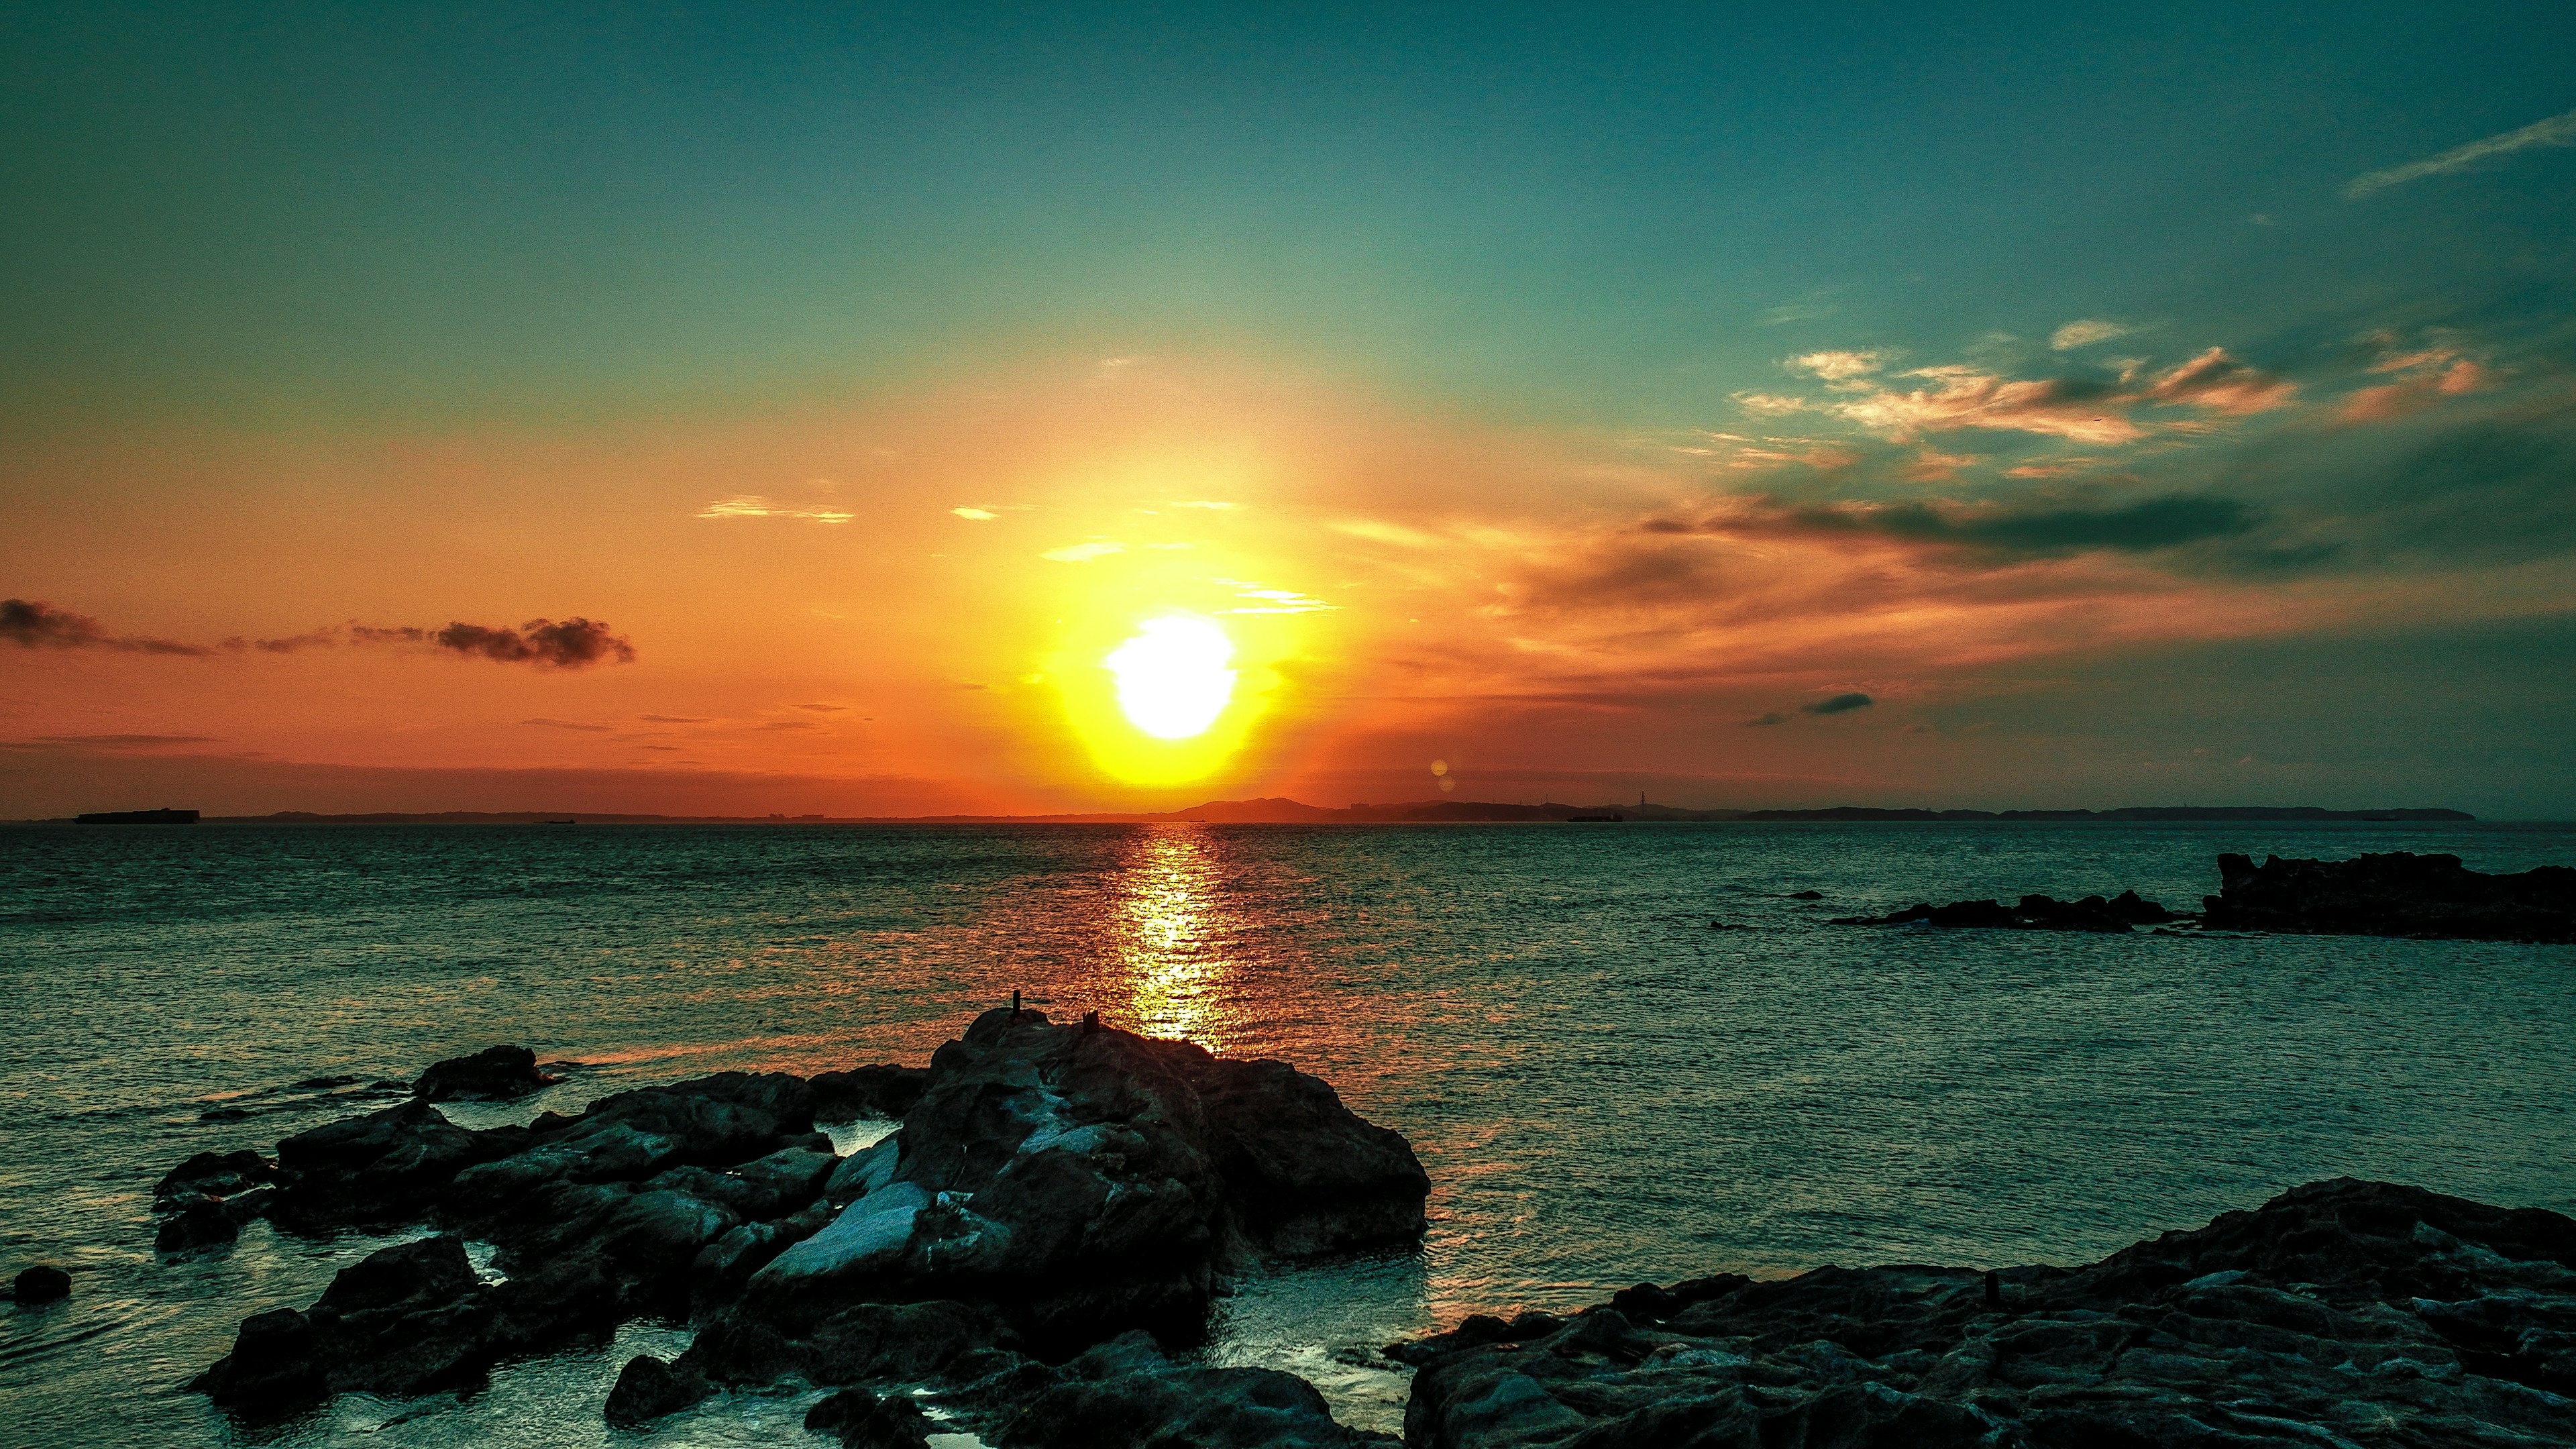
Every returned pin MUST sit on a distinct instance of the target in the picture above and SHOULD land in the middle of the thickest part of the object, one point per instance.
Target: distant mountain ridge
(1282, 811)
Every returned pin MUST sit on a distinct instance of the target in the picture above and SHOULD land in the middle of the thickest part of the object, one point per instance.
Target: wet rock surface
(2397, 894)
(2341, 1313)
(2122, 912)
(884, 1090)
(1050, 1186)
(1128, 1391)
(495, 1074)
(1087, 1180)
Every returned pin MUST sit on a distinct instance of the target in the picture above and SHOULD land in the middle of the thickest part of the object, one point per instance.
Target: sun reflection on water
(1173, 938)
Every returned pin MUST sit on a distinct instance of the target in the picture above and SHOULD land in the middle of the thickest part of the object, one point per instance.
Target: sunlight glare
(1173, 676)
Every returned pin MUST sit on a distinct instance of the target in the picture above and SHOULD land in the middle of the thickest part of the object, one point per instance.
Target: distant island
(1278, 811)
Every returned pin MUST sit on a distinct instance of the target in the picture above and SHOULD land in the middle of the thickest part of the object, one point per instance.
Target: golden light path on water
(1174, 949)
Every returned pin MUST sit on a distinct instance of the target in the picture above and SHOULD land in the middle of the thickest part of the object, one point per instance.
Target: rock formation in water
(495, 1074)
(2342, 1313)
(2393, 895)
(43, 1283)
(1052, 1185)
(2031, 913)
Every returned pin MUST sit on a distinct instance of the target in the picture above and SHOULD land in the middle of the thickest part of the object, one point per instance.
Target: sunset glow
(1172, 676)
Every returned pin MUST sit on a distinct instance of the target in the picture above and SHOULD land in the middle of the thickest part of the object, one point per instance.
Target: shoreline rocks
(2341, 1312)
(2397, 894)
(2032, 913)
(1050, 1186)
(39, 1284)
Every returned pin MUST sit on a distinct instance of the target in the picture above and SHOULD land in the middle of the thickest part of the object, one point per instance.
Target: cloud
(1835, 366)
(791, 724)
(2220, 383)
(752, 505)
(1839, 704)
(2558, 130)
(2035, 530)
(2086, 332)
(1773, 718)
(1769, 404)
(575, 643)
(1272, 601)
(311, 639)
(1966, 398)
(971, 515)
(1083, 552)
(824, 708)
(565, 724)
(674, 719)
(35, 624)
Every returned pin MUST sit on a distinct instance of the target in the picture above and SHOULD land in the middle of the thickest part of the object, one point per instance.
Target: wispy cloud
(35, 624)
(575, 643)
(1834, 366)
(1271, 601)
(752, 505)
(2086, 332)
(2220, 383)
(970, 514)
(2558, 130)
(565, 724)
(1083, 552)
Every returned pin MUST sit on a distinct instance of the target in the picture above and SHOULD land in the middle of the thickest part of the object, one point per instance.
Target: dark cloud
(2040, 529)
(35, 624)
(673, 719)
(575, 643)
(565, 724)
(1839, 704)
(824, 708)
(1773, 718)
(791, 724)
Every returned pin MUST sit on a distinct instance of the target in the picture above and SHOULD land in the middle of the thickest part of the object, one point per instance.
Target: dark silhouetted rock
(195, 1222)
(43, 1283)
(2393, 895)
(1806, 895)
(1091, 1179)
(2030, 913)
(1127, 1392)
(884, 1090)
(403, 1320)
(215, 1174)
(384, 1166)
(862, 1420)
(2342, 1312)
(494, 1074)
(648, 1388)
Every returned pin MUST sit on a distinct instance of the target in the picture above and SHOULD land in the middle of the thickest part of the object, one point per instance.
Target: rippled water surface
(1603, 1087)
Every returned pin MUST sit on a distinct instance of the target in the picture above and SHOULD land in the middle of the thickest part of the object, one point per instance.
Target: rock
(195, 1222)
(1806, 895)
(384, 1166)
(712, 1122)
(43, 1283)
(495, 1074)
(786, 1180)
(863, 1420)
(883, 1090)
(2031, 913)
(215, 1174)
(648, 1388)
(1091, 1180)
(404, 1320)
(722, 1267)
(1127, 1392)
(2339, 1313)
(2393, 895)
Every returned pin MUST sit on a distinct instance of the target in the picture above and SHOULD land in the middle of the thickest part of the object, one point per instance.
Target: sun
(1174, 676)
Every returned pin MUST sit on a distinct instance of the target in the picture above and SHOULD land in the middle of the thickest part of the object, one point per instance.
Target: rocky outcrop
(495, 1074)
(1087, 1179)
(1127, 1391)
(647, 1388)
(884, 1091)
(2393, 895)
(2031, 913)
(43, 1283)
(2341, 1313)
(1050, 1185)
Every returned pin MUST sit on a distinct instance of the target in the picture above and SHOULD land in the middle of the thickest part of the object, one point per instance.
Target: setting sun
(1173, 679)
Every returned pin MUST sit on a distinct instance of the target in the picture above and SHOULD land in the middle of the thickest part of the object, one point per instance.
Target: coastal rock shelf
(2341, 1313)
(1050, 1187)
(2421, 896)
(2393, 895)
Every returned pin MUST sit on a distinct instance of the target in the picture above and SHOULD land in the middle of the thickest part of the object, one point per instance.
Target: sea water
(1623, 1052)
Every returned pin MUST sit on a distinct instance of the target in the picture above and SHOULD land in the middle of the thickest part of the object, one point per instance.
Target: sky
(794, 408)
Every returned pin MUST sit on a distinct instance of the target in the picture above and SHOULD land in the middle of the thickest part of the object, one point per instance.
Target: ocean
(1604, 1085)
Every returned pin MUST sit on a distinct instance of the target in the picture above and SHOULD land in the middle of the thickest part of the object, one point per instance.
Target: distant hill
(1279, 811)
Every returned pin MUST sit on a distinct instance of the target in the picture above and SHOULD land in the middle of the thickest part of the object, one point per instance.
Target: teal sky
(2137, 405)
(1590, 217)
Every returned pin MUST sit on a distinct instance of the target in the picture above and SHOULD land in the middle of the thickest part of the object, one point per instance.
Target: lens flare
(1173, 676)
